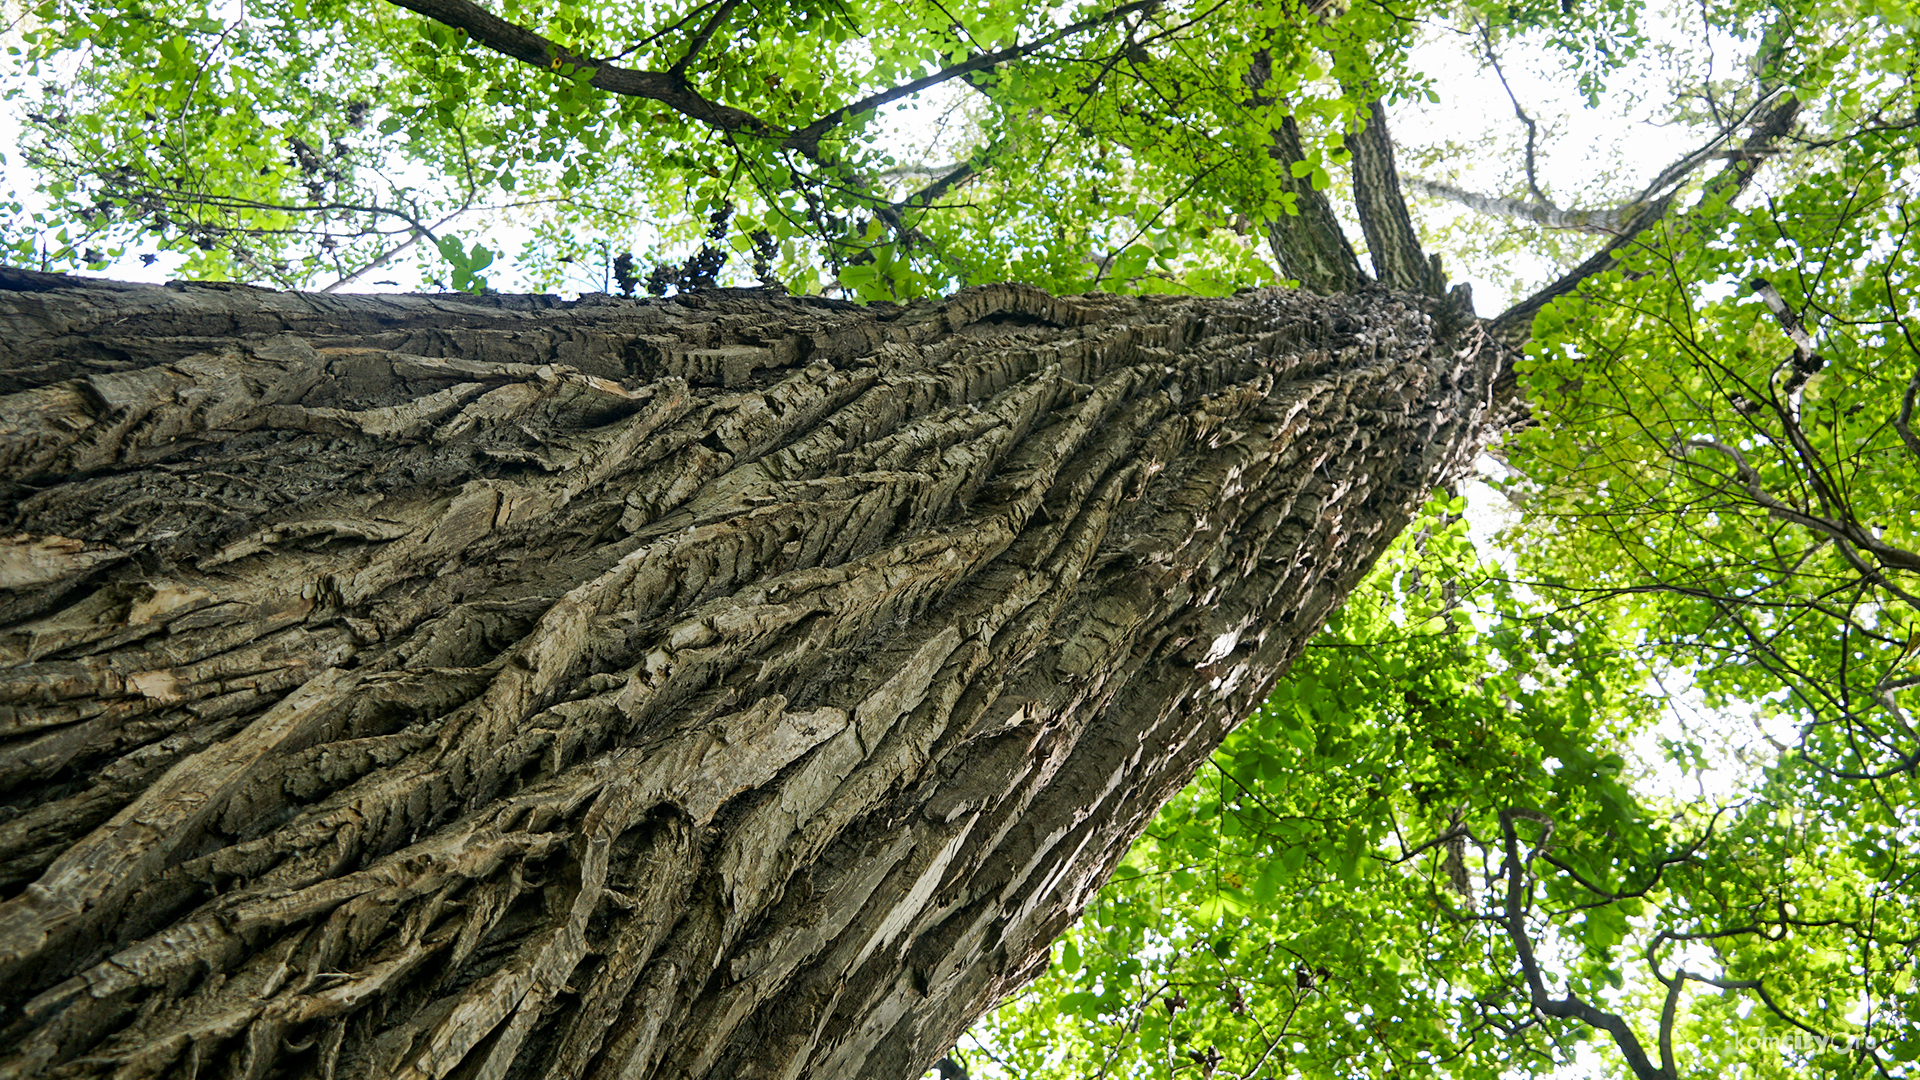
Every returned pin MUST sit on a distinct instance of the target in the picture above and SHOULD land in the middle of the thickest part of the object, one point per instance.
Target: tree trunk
(719, 687)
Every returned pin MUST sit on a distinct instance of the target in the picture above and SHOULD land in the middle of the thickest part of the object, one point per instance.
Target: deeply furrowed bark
(728, 687)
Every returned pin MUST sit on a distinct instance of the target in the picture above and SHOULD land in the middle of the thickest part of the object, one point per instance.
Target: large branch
(935, 181)
(958, 176)
(672, 88)
(1398, 260)
(1309, 244)
(1673, 174)
(1604, 222)
(520, 43)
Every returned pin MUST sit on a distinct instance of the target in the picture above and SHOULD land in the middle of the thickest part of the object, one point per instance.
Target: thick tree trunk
(723, 687)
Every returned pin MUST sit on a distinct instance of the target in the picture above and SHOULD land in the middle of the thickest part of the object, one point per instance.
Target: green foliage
(1331, 898)
(306, 141)
(1291, 911)
(1757, 499)
(466, 265)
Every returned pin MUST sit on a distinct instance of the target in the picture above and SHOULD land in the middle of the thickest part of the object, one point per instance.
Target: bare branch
(1533, 129)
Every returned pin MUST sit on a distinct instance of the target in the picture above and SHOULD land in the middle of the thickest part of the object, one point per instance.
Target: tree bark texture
(432, 686)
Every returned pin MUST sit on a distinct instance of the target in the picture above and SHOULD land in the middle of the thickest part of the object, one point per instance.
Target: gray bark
(1607, 222)
(727, 687)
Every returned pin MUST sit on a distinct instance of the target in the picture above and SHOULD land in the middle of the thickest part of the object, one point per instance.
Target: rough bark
(726, 687)
(1392, 243)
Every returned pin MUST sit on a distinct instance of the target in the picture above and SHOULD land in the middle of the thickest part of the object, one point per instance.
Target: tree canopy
(1435, 848)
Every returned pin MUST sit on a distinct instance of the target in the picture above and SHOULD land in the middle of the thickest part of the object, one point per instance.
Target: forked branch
(1515, 868)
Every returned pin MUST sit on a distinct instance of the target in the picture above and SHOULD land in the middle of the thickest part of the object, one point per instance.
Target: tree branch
(700, 39)
(1533, 129)
(1608, 222)
(1398, 261)
(1847, 532)
(955, 177)
(520, 43)
(414, 236)
(1308, 245)
(1709, 151)
(1789, 321)
(1601, 222)
(1570, 1007)
(1904, 421)
(921, 173)
(1669, 1011)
